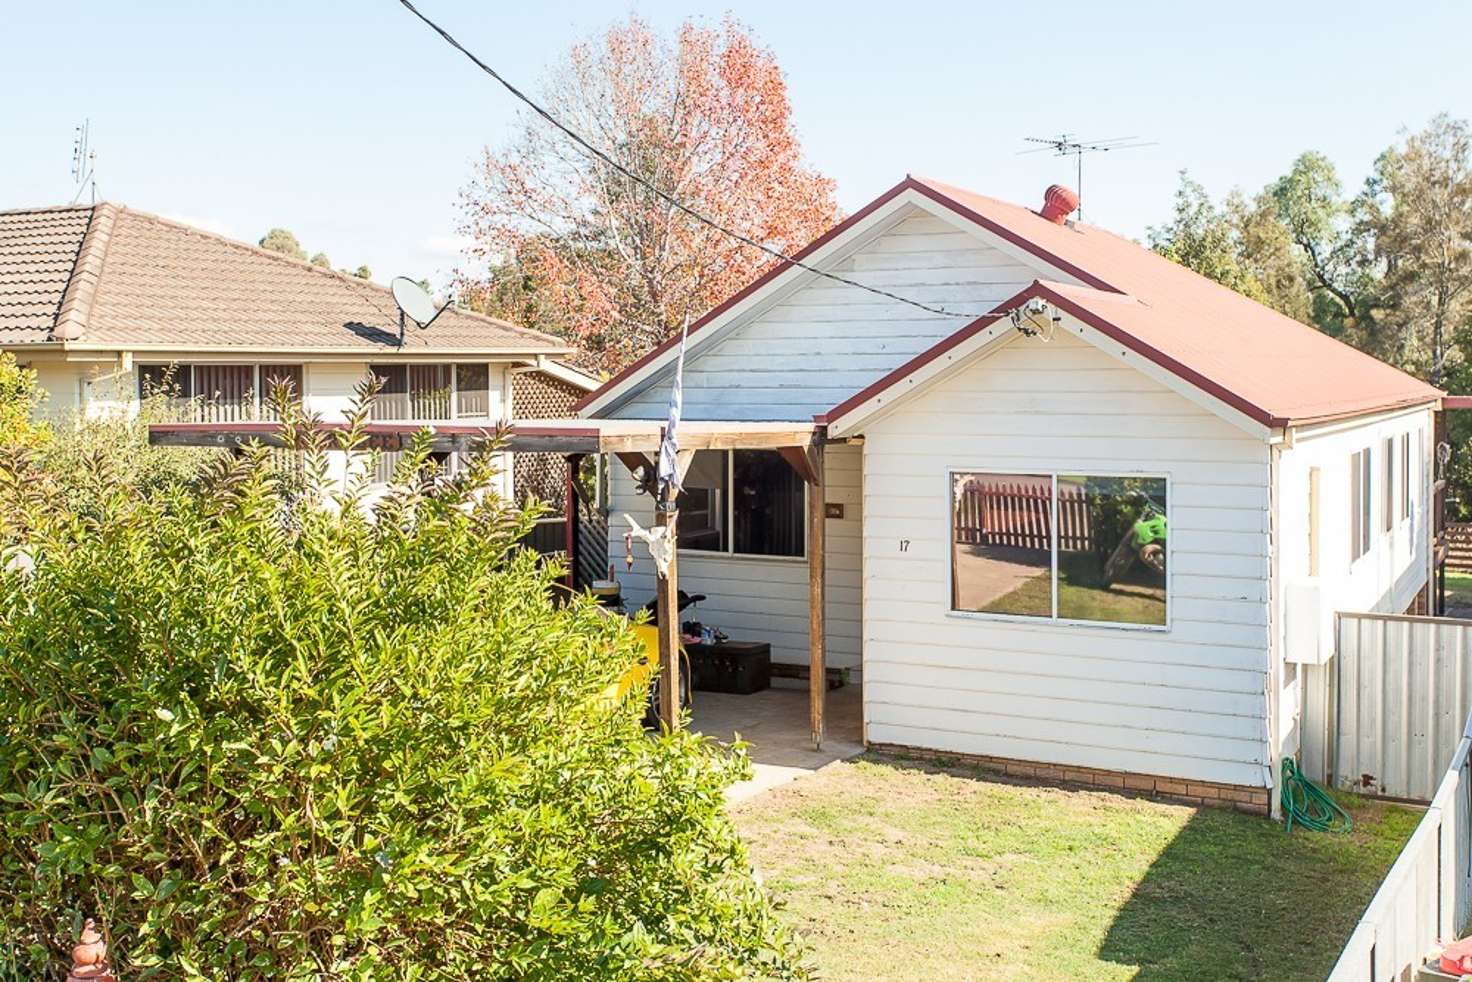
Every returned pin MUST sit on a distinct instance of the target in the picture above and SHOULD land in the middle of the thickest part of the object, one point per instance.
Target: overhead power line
(669, 199)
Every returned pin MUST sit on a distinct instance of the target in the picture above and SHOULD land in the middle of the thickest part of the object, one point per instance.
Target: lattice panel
(542, 475)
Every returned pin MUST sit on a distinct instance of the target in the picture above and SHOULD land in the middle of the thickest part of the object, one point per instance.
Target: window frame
(1044, 622)
(185, 378)
(1405, 470)
(1361, 504)
(1387, 488)
(729, 516)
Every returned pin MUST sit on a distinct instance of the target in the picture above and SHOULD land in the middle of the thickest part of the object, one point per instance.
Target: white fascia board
(174, 352)
(570, 375)
(1169, 379)
(932, 373)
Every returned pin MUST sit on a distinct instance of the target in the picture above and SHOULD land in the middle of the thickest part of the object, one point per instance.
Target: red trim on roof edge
(940, 198)
(908, 184)
(1456, 402)
(928, 355)
(751, 288)
(1103, 326)
(1108, 329)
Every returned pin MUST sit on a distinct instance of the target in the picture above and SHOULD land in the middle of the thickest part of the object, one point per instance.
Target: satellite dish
(414, 303)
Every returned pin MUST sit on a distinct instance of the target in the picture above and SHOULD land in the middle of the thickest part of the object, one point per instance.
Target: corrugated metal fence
(1384, 716)
(1426, 897)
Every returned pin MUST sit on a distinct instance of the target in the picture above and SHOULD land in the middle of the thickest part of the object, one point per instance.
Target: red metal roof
(1273, 368)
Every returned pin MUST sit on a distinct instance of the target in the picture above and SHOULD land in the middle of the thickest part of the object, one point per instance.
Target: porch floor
(775, 724)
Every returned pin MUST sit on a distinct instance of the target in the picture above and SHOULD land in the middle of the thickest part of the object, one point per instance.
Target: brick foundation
(1254, 801)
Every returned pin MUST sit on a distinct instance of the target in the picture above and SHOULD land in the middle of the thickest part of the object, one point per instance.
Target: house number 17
(904, 545)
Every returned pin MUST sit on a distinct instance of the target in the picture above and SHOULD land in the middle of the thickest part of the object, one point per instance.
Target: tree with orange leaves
(573, 247)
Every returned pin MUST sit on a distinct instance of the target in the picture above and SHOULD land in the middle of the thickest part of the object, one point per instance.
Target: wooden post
(667, 605)
(570, 519)
(817, 669)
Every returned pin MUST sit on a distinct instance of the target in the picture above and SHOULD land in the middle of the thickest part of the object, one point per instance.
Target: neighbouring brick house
(102, 300)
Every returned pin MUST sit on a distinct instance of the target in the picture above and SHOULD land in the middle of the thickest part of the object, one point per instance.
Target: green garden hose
(1308, 805)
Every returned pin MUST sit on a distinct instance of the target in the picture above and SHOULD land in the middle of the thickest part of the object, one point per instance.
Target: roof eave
(284, 351)
(1373, 410)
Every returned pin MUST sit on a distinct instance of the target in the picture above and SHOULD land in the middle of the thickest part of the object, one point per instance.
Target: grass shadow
(1236, 897)
(897, 867)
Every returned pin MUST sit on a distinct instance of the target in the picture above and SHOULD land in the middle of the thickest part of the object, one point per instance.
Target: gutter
(279, 351)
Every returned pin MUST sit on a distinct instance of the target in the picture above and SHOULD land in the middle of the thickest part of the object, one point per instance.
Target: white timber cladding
(1387, 578)
(1187, 702)
(1384, 580)
(807, 349)
(760, 598)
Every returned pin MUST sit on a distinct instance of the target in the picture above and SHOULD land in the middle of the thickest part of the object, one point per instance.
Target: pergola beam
(537, 436)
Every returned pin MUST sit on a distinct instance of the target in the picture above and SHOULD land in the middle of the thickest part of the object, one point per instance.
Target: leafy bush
(267, 730)
(112, 434)
(20, 399)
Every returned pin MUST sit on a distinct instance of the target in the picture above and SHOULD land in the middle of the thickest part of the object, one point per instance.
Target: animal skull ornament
(658, 541)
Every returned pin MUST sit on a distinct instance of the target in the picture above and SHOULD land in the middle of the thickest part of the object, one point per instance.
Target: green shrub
(268, 732)
(20, 402)
(112, 434)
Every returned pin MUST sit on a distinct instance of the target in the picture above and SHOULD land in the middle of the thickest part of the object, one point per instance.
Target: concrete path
(775, 725)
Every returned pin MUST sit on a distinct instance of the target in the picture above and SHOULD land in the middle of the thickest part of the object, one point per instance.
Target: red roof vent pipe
(1058, 203)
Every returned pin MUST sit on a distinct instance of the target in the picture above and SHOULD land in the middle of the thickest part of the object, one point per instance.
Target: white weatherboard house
(1094, 540)
(100, 300)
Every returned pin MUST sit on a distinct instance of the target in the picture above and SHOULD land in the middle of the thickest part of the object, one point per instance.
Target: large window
(1072, 547)
(221, 393)
(747, 502)
(432, 391)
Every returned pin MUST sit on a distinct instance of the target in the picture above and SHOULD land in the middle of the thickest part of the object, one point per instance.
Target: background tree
(282, 241)
(1418, 207)
(1310, 203)
(575, 248)
(1241, 244)
(321, 259)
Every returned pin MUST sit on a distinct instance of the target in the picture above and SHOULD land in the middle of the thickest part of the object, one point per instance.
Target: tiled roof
(38, 251)
(109, 275)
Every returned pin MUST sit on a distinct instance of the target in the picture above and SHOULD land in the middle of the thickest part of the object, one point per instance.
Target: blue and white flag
(669, 447)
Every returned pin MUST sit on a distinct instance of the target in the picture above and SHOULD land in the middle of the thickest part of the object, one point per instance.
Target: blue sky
(350, 124)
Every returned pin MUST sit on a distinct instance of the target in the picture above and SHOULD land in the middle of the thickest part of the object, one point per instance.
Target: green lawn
(1083, 596)
(894, 869)
(1458, 589)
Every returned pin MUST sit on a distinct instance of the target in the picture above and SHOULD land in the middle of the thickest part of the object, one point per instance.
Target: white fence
(1385, 714)
(1427, 895)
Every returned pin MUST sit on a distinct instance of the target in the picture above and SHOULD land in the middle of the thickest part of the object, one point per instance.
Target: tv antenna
(414, 302)
(84, 162)
(1067, 145)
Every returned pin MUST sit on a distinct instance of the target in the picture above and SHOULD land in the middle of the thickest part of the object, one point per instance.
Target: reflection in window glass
(767, 512)
(702, 503)
(1001, 544)
(1112, 549)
